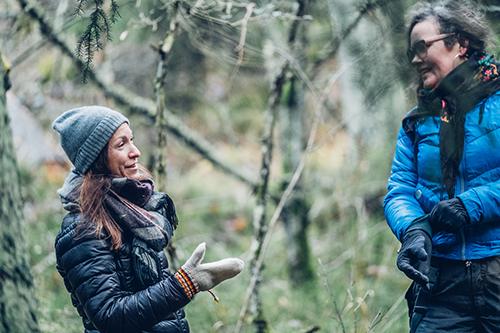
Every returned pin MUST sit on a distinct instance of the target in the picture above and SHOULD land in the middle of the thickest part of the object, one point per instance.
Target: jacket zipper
(462, 237)
(461, 189)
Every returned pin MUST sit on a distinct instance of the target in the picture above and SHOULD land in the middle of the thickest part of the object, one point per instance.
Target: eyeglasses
(419, 48)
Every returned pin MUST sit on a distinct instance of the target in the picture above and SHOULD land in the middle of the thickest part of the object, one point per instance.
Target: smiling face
(123, 154)
(439, 59)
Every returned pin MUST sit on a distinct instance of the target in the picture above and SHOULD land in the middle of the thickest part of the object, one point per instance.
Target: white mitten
(195, 276)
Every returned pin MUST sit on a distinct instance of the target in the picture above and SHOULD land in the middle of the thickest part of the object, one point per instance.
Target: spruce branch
(114, 14)
(136, 104)
(96, 33)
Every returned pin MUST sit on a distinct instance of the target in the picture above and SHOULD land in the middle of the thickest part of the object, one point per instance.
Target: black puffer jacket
(103, 288)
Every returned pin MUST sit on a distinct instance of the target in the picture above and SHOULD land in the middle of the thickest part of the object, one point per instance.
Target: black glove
(414, 257)
(449, 215)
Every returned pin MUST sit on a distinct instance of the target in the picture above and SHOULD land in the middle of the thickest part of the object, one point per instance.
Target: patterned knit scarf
(462, 89)
(133, 205)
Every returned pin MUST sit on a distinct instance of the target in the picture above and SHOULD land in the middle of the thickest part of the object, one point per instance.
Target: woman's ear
(462, 51)
(463, 46)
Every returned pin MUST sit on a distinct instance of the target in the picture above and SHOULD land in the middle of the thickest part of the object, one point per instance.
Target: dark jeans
(464, 297)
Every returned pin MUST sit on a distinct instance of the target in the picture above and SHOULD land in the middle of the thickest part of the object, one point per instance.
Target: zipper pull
(468, 263)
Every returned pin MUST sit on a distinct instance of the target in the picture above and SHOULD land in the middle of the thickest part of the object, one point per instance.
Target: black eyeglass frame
(419, 48)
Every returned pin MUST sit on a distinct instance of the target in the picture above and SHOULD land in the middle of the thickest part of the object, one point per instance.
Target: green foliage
(96, 32)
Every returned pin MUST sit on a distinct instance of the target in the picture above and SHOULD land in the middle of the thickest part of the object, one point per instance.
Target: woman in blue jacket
(110, 247)
(443, 200)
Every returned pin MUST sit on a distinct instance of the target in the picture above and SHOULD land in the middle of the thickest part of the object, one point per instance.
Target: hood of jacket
(69, 193)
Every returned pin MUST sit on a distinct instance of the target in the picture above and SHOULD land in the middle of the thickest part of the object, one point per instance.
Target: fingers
(412, 272)
(198, 255)
(414, 262)
(417, 250)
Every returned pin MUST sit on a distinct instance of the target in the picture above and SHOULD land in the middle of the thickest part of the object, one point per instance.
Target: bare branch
(160, 168)
(260, 225)
(334, 46)
(161, 117)
(259, 260)
(240, 49)
(137, 104)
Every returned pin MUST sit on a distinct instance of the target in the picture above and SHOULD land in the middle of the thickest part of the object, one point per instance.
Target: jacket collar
(70, 191)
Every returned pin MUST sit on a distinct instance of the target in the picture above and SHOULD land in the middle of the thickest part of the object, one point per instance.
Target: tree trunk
(17, 303)
(295, 214)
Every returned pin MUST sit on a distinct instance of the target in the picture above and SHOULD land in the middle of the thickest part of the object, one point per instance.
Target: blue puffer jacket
(415, 185)
(103, 286)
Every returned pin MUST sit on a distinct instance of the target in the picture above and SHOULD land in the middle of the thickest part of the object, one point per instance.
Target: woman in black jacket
(110, 247)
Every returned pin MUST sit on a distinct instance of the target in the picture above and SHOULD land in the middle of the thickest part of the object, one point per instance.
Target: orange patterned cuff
(186, 282)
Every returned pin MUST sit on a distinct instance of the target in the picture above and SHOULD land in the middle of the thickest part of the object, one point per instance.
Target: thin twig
(240, 48)
(337, 41)
(338, 313)
(261, 233)
(389, 314)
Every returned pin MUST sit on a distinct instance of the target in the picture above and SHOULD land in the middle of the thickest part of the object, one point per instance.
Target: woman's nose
(134, 152)
(416, 60)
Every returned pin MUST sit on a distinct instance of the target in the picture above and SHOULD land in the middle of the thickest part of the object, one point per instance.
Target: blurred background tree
(200, 80)
(17, 304)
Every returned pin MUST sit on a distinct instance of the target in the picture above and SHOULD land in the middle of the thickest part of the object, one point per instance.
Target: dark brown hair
(96, 183)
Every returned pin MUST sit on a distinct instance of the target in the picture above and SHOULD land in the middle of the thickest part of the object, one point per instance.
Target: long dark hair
(96, 184)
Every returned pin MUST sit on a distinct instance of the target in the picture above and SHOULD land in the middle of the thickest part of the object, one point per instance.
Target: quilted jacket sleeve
(400, 205)
(483, 203)
(88, 268)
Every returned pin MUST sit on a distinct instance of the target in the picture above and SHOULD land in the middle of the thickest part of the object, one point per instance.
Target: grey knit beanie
(85, 131)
